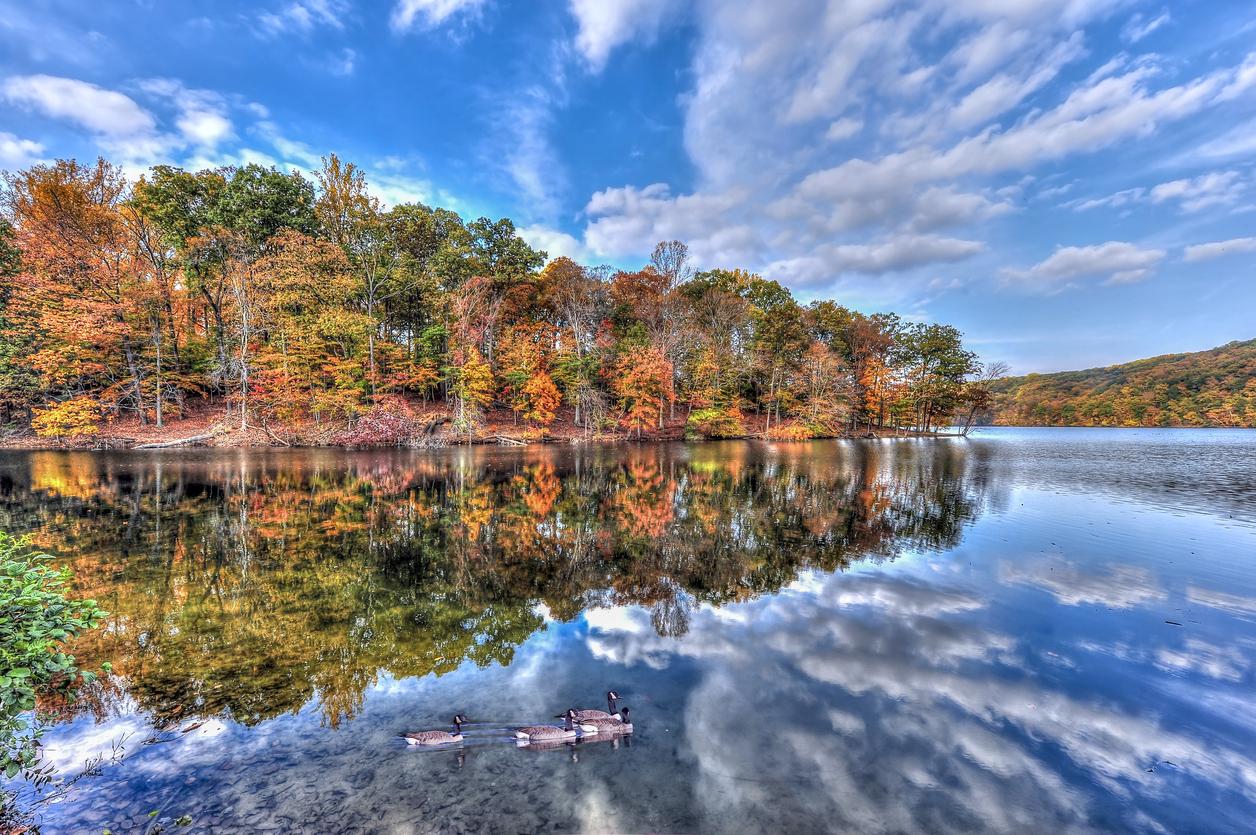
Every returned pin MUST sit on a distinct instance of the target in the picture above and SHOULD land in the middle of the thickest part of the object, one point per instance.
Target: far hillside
(1207, 388)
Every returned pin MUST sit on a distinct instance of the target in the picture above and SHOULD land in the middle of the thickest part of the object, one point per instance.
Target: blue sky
(1070, 182)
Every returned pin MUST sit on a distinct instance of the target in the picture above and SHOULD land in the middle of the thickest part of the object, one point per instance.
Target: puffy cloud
(777, 92)
(901, 252)
(1121, 262)
(16, 152)
(603, 25)
(1216, 249)
(627, 221)
(202, 117)
(428, 14)
(103, 112)
(1218, 187)
(555, 243)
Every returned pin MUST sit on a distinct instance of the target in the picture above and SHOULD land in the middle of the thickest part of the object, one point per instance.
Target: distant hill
(1207, 388)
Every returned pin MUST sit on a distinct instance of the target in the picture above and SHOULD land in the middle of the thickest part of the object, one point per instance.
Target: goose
(438, 737)
(611, 725)
(591, 713)
(538, 733)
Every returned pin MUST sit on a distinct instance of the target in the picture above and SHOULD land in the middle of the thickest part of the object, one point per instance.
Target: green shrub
(36, 619)
(715, 423)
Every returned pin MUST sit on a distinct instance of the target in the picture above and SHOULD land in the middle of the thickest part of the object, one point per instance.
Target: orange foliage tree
(642, 380)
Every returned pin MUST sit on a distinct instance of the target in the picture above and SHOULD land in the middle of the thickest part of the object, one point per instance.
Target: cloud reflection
(887, 686)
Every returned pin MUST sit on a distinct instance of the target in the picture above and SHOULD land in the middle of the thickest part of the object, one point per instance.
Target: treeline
(295, 300)
(1207, 388)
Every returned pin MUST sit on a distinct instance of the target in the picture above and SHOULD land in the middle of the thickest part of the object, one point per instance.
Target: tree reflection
(248, 584)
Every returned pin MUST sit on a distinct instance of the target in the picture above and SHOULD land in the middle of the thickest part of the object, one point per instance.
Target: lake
(1025, 630)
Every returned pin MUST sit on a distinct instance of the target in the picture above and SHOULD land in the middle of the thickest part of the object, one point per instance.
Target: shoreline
(28, 443)
(497, 435)
(402, 425)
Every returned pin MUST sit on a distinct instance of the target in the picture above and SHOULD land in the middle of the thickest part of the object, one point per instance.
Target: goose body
(432, 738)
(437, 737)
(618, 724)
(539, 733)
(593, 713)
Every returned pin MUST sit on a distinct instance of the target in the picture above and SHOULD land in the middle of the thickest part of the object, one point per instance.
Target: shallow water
(1027, 630)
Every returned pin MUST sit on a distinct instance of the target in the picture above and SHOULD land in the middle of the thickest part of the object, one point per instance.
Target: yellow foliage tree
(77, 416)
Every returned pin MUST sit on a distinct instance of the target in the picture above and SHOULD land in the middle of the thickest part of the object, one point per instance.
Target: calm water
(895, 636)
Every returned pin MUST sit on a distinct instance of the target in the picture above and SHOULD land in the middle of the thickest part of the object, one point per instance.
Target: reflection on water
(884, 636)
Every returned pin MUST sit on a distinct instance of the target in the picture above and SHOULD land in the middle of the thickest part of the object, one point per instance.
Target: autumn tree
(642, 381)
(541, 399)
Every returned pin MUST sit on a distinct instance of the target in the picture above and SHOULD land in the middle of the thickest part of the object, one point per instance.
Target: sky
(1069, 182)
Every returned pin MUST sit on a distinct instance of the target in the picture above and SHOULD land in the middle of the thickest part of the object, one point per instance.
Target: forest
(303, 310)
(1206, 388)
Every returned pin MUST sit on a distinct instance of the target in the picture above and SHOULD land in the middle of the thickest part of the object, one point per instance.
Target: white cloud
(1239, 141)
(902, 252)
(1140, 26)
(603, 25)
(1112, 201)
(843, 128)
(628, 221)
(428, 14)
(343, 63)
(949, 134)
(16, 152)
(104, 112)
(1216, 188)
(201, 118)
(555, 243)
(1192, 194)
(1216, 249)
(1119, 261)
(304, 16)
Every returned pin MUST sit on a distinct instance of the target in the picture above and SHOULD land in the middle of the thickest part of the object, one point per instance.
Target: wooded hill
(1206, 388)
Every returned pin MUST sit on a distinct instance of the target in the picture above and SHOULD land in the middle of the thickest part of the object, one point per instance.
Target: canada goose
(534, 733)
(438, 737)
(591, 713)
(610, 725)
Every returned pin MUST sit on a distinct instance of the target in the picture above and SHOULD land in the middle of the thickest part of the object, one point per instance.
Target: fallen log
(508, 441)
(195, 439)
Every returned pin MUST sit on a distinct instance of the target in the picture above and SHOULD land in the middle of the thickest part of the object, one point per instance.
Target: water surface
(1027, 630)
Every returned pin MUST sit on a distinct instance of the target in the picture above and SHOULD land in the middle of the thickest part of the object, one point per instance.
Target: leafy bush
(36, 618)
(790, 432)
(716, 423)
(77, 416)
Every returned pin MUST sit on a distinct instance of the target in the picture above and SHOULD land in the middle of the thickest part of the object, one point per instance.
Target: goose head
(459, 721)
